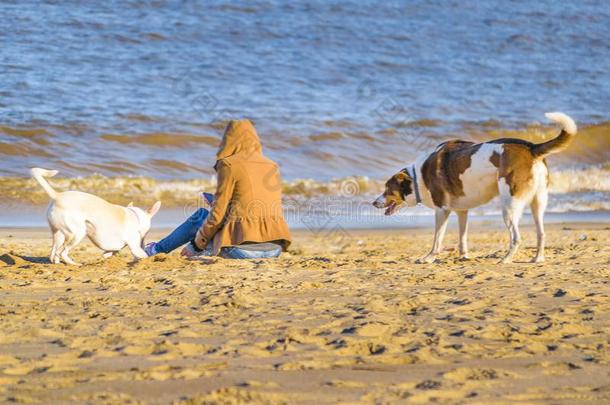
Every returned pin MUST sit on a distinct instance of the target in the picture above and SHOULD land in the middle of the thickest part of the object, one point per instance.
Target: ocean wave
(588, 188)
(596, 178)
(77, 149)
(161, 139)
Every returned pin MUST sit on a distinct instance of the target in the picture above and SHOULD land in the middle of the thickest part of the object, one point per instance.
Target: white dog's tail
(561, 141)
(39, 175)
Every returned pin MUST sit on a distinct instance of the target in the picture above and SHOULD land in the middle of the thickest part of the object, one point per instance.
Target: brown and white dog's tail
(39, 175)
(559, 143)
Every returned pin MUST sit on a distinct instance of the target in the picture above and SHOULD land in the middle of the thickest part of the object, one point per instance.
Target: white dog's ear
(130, 204)
(154, 209)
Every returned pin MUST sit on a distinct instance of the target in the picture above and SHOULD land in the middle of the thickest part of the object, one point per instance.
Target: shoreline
(167, 219)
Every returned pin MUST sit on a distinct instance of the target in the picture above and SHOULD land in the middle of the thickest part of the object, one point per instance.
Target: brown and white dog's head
(398, 192)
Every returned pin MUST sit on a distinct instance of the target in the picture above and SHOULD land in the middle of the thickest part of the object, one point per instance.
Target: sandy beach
(342, 318)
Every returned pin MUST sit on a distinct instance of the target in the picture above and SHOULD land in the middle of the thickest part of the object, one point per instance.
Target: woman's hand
(189, 251)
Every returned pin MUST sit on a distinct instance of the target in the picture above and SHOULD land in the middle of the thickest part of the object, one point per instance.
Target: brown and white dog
(460, 175)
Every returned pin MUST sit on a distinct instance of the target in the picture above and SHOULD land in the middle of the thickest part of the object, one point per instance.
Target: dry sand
(345, 318)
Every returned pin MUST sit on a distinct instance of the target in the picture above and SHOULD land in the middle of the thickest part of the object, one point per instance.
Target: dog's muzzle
(379, 202)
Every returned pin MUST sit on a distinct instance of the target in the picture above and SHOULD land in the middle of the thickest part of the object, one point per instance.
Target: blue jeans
(187, 231)
(236, 252)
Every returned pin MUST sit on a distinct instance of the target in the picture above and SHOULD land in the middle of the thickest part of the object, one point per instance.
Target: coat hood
(239, 137)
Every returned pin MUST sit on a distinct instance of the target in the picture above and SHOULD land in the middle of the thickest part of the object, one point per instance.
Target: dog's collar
(413, 175)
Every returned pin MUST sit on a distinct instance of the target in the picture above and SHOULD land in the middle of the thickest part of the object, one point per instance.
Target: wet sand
(345, 317)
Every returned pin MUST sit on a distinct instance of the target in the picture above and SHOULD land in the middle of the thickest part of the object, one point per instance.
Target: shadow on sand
(12, 259)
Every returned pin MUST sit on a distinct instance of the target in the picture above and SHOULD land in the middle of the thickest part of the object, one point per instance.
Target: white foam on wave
(593, 178)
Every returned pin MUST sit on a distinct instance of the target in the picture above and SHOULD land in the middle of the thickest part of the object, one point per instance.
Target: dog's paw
(70, 262)
(537, 259)
(426, 259)
(464, 258)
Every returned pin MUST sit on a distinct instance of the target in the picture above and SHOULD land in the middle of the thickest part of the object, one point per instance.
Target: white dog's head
(144, 217)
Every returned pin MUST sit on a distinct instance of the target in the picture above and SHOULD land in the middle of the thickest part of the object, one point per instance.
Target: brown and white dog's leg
(463, 223)
(441, 217)
(511, 212)
(538, 207)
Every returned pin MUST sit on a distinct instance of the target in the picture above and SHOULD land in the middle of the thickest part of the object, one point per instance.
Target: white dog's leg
(136, 249)
(512, 214)
(463, 222)
(60, 248)
(58, 242)
(441, 217)
(538, 207)
(73, 239)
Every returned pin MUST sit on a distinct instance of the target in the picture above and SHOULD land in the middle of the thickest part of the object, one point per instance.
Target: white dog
(72, 215)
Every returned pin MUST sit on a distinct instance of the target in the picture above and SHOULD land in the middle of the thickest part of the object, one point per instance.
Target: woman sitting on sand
(246, 220)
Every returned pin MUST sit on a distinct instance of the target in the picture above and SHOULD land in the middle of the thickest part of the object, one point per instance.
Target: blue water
(324, 81)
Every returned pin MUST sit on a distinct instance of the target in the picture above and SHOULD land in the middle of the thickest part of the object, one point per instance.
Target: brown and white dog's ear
(154, 209)
(130, 204)
(404, 183)
(402, 176)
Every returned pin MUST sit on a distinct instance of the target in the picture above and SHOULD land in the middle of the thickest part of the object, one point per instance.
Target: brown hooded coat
(248, 201)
